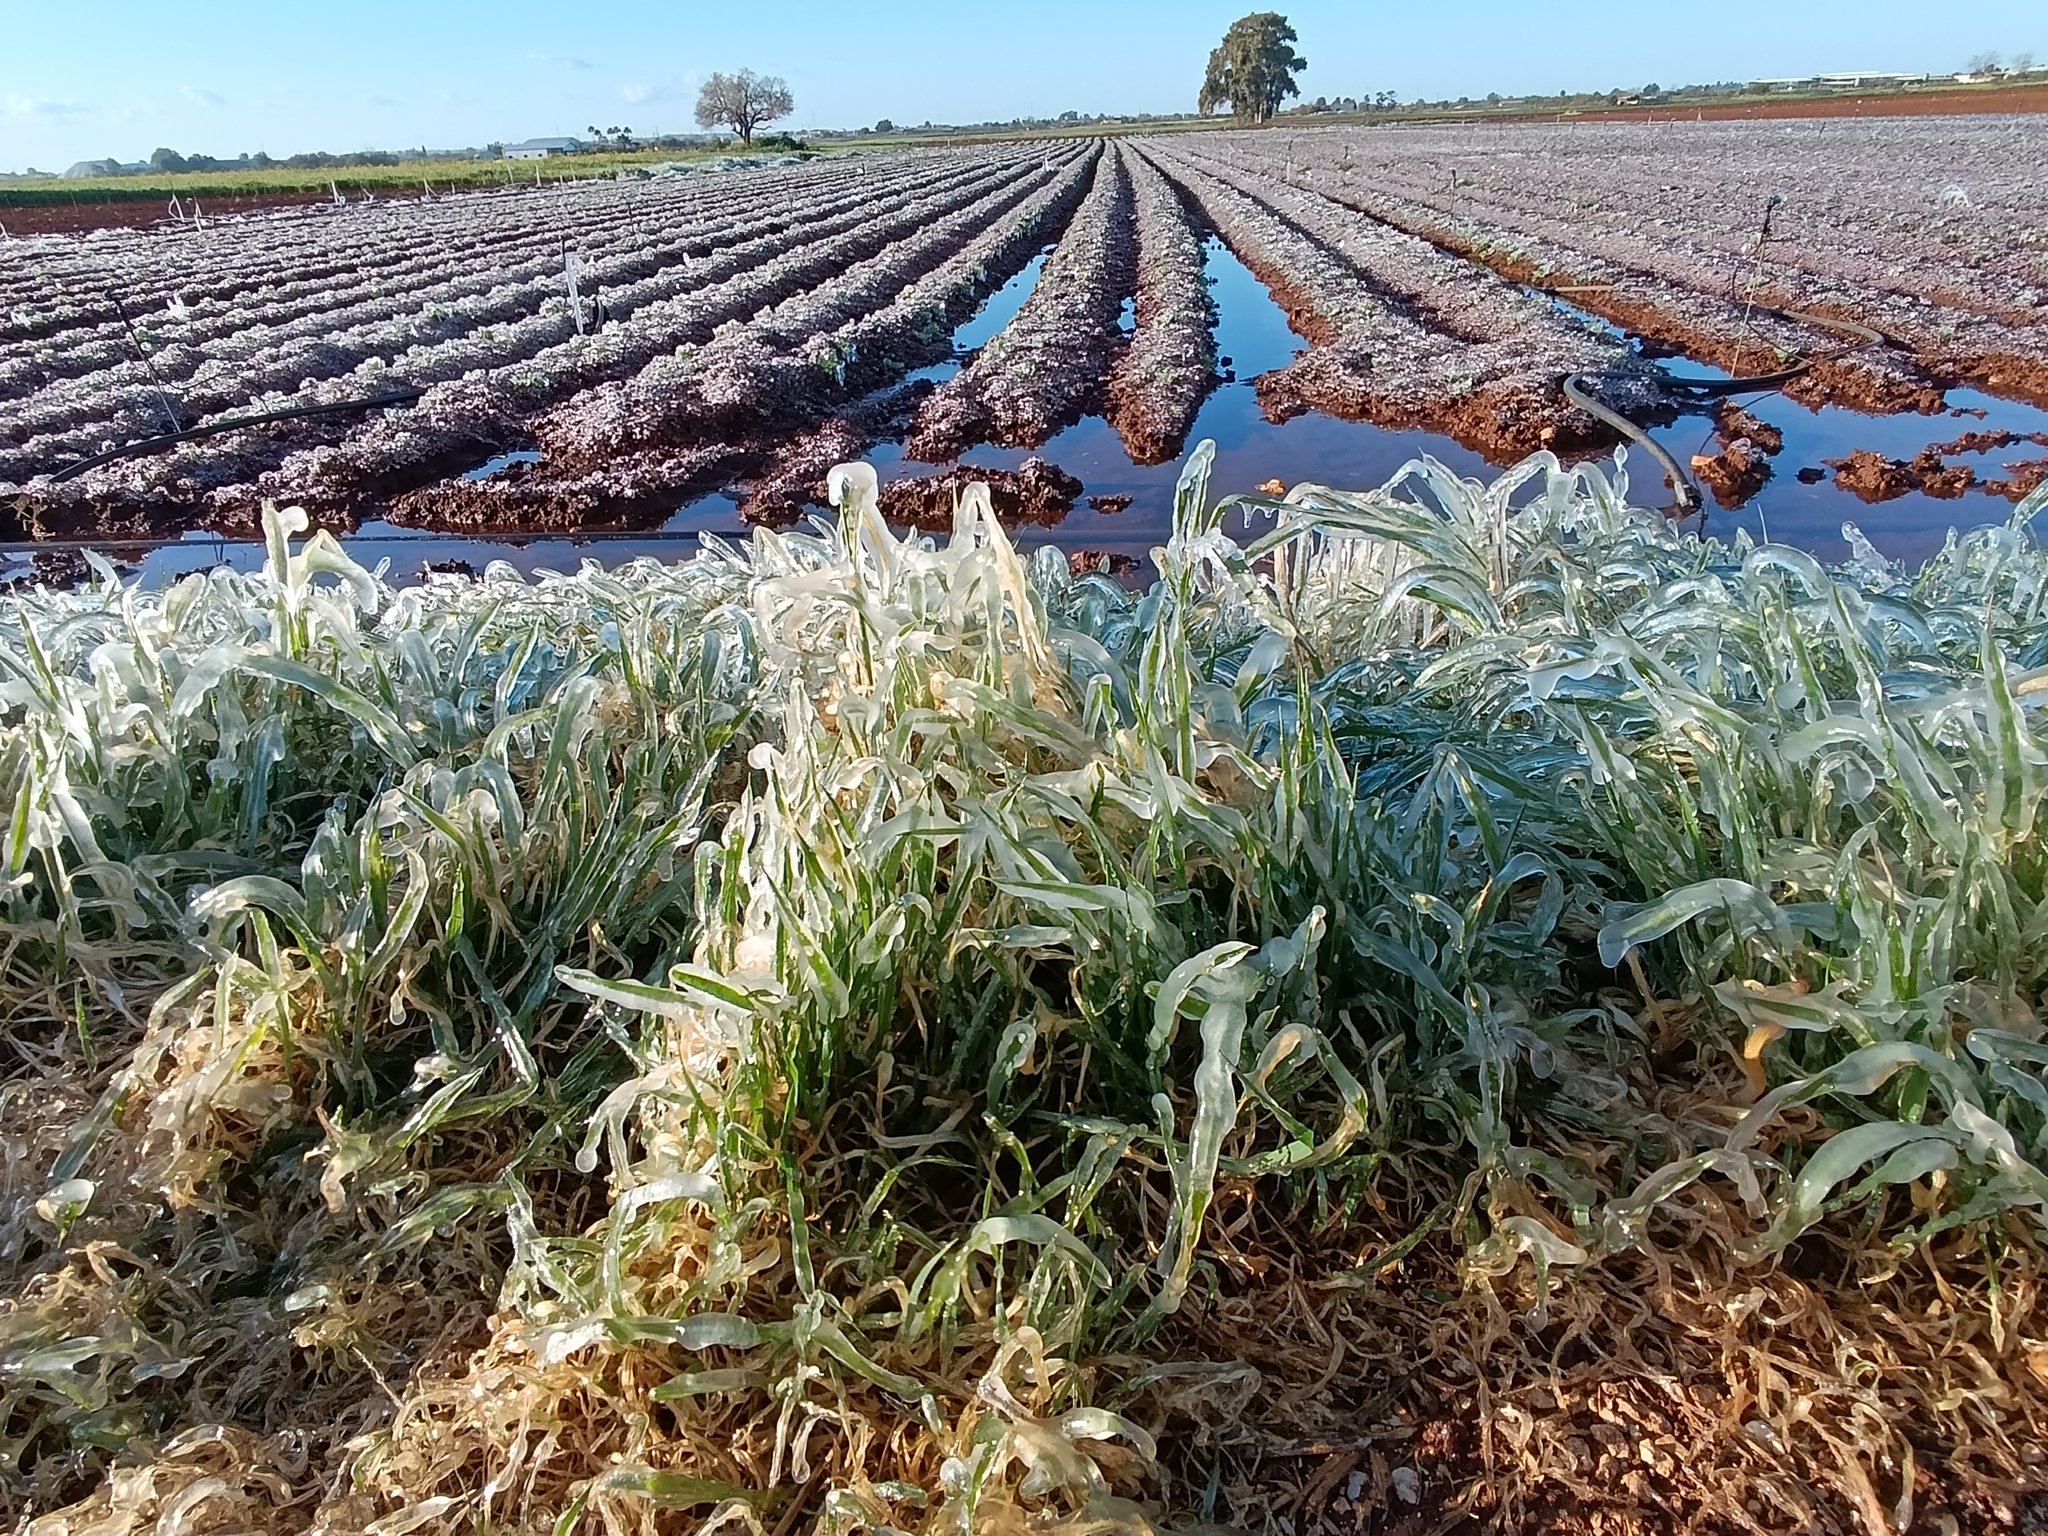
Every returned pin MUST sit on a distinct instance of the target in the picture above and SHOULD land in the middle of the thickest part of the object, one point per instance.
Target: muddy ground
(82, 217)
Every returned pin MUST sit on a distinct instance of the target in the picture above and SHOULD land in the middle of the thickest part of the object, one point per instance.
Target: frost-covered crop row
(284, 264)
(1377, 356)
(1676, 223)
(417, 346)
(757, 369)
(1050, 365)
(775, 404)
(1952, 210)
(263, 261)
(1169, 367)
(435, 277)
(480, 384)
(1449, 292)
(777, 368)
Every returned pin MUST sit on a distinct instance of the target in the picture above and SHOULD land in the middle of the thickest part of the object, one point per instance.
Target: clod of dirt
(1036, 492)
(1871, 477)
(1101, 562)
(1735, 474)
(1812, 474)
(1275, 487)
(1734, 424)
(1988, 442)
(2022, 480)
(1114, 502)
(634, 490)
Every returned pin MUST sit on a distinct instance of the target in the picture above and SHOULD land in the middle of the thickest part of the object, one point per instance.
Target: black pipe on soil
(1689, 498)
(1579, 387)
(145, 445)
(514, 537)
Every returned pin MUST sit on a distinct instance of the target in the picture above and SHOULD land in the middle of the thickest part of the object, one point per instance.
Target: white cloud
(40, 106)
(205, 98)
(683, 88)
(561, 60)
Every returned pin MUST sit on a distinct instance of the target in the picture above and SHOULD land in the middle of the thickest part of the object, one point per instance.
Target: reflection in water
(1801, 504)
(1252, 331)
(1810, 513)
(503, 462)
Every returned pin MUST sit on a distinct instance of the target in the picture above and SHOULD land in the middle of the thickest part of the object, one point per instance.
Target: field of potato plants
(1472, 1005)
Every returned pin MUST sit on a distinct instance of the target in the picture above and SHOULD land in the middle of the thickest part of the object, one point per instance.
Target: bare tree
(2022, 64)
(743, 102)
(1987, 63)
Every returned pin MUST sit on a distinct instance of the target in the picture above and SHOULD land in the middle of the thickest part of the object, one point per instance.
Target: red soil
(1966, 101)
(1873, 478)
(138, 213)
(1037, 492)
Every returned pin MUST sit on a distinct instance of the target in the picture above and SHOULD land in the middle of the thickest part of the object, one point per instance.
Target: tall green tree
(1253, 68)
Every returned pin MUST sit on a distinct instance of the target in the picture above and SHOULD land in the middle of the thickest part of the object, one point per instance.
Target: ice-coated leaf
(1750, 910)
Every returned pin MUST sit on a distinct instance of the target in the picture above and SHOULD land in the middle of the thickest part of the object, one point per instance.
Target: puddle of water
(503, 462)
(996, 311)
(1252, 333)
(412, 554)
(1809, 513)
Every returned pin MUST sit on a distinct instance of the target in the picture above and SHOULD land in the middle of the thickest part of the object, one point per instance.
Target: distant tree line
(169, 161)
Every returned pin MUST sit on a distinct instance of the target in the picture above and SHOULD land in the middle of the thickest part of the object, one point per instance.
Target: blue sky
(119, 77)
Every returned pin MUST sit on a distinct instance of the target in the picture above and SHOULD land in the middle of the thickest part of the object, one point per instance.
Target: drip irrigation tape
(145, 445)
(201, 538)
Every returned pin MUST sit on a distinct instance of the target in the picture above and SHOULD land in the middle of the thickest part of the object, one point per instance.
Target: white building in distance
(542, 149)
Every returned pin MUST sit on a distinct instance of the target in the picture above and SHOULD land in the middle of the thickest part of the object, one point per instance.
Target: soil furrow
(1628, 255)
(809, 392)
(506, 328)
(1169, 367)
(813, 345)
(224, 359)
(1050, 365)
(1376, 357)
(482, 407)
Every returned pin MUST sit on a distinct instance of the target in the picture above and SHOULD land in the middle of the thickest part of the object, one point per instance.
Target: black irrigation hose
(516, 538)
(144, 445)
(1715, 389)
(1689, 498)
(1576, 390)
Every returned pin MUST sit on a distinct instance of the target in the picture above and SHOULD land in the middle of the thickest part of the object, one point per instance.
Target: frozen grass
(813, 1035)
